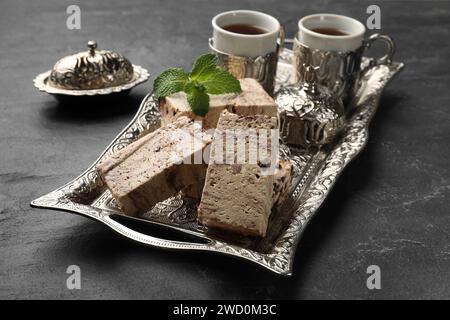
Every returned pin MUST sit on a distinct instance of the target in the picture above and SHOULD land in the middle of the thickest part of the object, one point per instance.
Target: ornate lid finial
(310, 84)
(92, 45)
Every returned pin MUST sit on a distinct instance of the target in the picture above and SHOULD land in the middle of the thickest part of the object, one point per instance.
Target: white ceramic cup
(245, 45)
(353, 29)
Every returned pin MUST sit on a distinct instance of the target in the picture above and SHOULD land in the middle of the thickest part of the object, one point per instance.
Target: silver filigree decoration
(315, 173)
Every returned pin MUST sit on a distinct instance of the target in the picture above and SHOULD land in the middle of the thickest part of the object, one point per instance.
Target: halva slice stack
(238, 197)
(157, 166)
(252, 100)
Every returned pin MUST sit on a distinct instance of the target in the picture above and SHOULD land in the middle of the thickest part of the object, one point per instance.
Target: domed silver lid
(309, 113)
(92, 69)
(91, 73)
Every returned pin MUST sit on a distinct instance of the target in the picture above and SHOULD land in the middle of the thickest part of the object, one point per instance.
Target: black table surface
(390, 207)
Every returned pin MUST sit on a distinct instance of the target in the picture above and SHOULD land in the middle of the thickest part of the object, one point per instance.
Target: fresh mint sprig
(206, 77)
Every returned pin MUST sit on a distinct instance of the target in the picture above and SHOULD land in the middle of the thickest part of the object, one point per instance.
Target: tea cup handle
(281, 39)
(387, 58)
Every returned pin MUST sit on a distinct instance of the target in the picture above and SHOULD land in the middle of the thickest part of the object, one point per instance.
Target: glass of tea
(245, 33)
(335, 44)
(247, 44)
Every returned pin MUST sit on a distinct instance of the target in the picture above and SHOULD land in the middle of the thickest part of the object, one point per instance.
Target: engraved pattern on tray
(315, 173)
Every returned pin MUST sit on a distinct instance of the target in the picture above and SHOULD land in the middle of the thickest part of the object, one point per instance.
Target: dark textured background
(389, 208)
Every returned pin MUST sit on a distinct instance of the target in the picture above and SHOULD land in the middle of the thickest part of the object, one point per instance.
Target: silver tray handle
(154, 241)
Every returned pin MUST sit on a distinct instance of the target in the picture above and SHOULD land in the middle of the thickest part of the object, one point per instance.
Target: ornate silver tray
(315, 173)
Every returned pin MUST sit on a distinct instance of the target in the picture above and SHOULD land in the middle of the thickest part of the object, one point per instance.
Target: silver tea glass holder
(261, 68)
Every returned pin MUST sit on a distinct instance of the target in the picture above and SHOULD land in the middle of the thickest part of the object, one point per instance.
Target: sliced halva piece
(252, 100)
(239, 197)
(282, 181)
(156, 167)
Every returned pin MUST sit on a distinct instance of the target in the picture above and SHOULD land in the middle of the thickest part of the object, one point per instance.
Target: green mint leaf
(220, 81)
(205, 78)
(170, 81)
(204, 64)
(197, 98)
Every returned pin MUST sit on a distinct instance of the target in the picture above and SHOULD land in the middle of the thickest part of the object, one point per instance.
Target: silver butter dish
(310, 115)
(92, 72)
